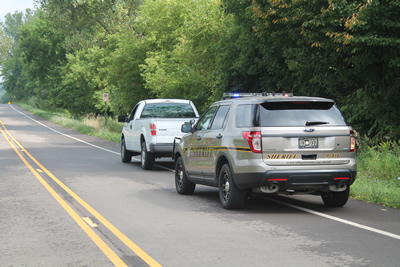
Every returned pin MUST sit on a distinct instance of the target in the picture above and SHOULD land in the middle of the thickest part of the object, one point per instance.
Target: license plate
(308, 142)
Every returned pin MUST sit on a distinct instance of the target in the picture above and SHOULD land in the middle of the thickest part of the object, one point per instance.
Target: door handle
(131, 126)
(219, 136)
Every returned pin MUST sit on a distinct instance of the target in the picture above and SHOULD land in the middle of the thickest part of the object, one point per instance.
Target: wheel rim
(179, 176)
(122, 149)
(225, 187)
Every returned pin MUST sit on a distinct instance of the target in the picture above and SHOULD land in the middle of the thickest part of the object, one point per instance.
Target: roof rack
(240, 95)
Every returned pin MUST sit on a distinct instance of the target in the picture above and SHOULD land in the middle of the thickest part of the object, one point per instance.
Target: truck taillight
(153, 129)
(352, 141)
(254, 139)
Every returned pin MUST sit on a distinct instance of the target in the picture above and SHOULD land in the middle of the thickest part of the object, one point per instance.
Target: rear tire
(231, 197)
(336, 199)
(126, 155)
(147, 159)
(182, 184)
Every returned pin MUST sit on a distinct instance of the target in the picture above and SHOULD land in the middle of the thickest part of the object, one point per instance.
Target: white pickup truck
(151, 127)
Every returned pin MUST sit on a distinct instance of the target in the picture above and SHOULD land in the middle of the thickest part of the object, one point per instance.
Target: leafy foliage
(345, 50)
(76, 50)
(86, 23)
(43, 55)
(126, 53)
(5, 45)
(15, 84)
(183, 44)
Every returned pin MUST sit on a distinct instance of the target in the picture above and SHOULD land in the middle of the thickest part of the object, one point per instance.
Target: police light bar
(239, 95)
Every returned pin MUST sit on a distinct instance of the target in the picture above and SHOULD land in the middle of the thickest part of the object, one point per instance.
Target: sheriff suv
(268, 143)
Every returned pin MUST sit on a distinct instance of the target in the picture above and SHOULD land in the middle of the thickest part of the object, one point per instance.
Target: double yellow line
(88, 230)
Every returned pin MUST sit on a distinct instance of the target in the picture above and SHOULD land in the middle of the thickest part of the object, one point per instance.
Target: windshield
(300, 113)
(168, 110)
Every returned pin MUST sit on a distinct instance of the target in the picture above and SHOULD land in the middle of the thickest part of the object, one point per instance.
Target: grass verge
(378, 178)
(89, 124)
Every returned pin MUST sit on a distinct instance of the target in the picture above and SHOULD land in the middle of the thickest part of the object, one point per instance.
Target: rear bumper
(296, 179)
(162, 150)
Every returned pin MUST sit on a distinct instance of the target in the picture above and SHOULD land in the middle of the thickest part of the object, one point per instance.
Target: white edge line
(277, 201)
(339, 220)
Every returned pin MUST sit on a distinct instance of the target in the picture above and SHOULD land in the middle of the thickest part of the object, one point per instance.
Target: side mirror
(187, 127)
(122, 118)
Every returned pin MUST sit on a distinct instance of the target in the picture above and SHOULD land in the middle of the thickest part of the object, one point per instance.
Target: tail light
(254, 139)
(341, 178)
(153, 129)
(352, 141)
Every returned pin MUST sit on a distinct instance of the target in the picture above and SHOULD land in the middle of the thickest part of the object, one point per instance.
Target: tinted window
(282, 105)
(275, 114)
(205, 120)
(220, 118)
(168, 110)
(246, 116)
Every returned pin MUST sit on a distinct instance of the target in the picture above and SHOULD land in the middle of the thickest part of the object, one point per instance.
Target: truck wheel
(182, 184)
(336, 199)
(147, 159)
(126, 156)
(231, 197)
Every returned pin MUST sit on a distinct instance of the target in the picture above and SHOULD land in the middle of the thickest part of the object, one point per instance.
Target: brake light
(352, 141)
(153, 129)
(341, 178)
(254, 139)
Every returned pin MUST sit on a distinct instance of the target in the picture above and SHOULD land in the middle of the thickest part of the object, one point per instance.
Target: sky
(10, 6)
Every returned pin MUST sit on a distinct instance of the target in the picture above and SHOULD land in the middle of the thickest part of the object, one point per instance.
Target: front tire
(147, 159)
(182, 184)
(126, 155)
(231, 197)
(336, 199)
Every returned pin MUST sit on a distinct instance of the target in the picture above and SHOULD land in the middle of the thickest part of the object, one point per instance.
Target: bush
(378, 178)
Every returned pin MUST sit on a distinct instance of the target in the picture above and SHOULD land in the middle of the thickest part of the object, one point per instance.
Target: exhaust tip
(272, 188)
(338, 187)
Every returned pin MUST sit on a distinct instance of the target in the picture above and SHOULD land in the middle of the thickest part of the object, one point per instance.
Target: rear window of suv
(168, 110)
(300, 113)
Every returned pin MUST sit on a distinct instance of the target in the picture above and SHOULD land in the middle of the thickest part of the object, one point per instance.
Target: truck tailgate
(168, 128)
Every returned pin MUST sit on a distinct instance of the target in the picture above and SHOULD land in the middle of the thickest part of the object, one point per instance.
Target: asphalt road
(66, 199)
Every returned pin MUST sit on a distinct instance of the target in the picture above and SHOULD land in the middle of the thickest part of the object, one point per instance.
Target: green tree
(86, 23)
(92, 29)
(373, 33)
(126, 52)
(13, 80)
(182, 44)
(15, 84)
(242, 63)
(5, 45)
(83, 82)
(346, 50)
(43, 55)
